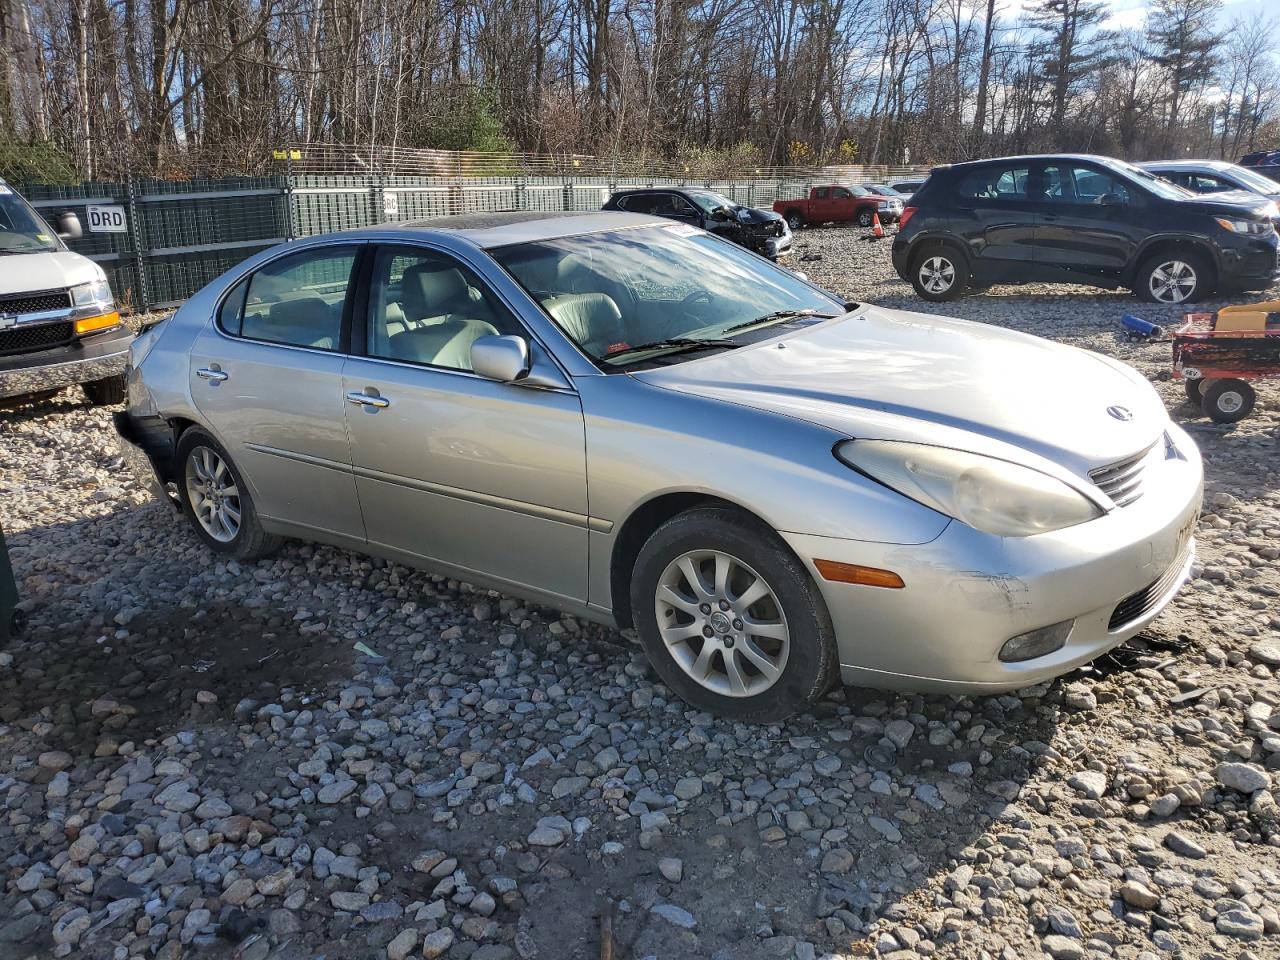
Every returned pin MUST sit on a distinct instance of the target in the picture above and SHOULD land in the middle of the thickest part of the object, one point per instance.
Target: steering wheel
(694, 297)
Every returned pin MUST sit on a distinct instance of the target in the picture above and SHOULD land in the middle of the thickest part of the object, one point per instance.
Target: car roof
(489, 230)
(1028, 157)
(1186, 165)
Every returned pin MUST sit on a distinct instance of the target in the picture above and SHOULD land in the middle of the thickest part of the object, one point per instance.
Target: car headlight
(1251, 228)
(95, 294)
(994, 496)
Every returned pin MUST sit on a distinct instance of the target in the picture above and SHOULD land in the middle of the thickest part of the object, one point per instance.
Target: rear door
(266, 376)
(1087, 229)
(997, 220)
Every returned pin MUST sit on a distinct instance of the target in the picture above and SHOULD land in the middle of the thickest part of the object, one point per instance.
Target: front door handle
(368, 400)
(211, 373)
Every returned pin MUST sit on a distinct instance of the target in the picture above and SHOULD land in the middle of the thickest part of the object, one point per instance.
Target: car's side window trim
(359, 247)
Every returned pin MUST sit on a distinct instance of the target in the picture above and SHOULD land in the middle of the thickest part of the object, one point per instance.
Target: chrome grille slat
(1122, 480)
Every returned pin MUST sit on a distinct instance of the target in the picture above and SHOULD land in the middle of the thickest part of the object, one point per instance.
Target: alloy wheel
(722, 623)
(1172, 281)
(937, 274)
(213, 494)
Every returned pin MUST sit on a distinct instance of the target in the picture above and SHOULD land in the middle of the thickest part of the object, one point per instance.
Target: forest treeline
(96, 85)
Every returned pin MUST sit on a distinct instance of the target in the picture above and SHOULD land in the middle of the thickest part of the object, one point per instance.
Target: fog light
(1036, 643)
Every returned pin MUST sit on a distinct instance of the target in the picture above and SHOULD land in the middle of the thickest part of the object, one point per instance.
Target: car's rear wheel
(107, 391)
(1174, 278)
(865, 217)
(1228, 400)
(217, 502)
(794, 220)
(939, 275)
(731, 620)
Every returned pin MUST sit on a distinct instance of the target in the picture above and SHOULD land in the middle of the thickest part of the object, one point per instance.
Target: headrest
(300, 313)
(589, 318)
(432, 290)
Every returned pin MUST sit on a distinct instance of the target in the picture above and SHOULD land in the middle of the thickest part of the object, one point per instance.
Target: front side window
(840, 193)
(995, 184)
(425, 307)
(821, 194)
(297, 300)
(1068, 183)
(21, 229)
(614, 294)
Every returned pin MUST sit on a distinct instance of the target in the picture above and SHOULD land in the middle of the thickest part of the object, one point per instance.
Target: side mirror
(69, 227)
(505, 359)
(722, 214)
(1113, 200)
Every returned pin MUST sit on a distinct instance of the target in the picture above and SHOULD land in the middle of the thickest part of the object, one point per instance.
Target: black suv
(763, 231)
(1080, 219)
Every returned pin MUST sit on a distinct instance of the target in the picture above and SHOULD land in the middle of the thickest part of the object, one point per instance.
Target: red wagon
(1217, 356)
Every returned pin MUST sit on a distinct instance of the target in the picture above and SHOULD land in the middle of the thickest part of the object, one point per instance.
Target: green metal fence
(179, 235)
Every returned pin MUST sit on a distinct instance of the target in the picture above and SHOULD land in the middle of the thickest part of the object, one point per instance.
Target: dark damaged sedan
(761, 231)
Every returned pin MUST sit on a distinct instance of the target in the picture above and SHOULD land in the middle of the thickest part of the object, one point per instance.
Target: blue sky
(1130, 13)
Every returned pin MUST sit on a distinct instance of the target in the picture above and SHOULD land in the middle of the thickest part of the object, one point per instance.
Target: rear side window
(298, 300)
(995, 184)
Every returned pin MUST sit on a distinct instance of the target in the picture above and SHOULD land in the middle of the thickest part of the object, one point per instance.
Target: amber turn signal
(853, 573)
(103, 322)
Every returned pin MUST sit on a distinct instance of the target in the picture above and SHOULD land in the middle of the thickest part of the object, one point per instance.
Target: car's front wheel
(217, 502)
(731, 620)
(1174, 278)
(939, 275)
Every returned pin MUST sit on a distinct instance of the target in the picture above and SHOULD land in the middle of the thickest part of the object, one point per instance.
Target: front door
(266, 375)
(453, 468)
(1086, 230)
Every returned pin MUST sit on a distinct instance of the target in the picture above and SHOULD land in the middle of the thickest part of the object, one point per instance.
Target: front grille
(1122, 480)
(1139, 604)
(39, 336)
(36, 302)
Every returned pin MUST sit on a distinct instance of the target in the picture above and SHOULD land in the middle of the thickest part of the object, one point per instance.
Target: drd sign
(106, 219)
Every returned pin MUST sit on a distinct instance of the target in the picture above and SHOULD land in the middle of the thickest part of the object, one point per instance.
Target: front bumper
(1251, 264)
(967, 593)
(93, 358)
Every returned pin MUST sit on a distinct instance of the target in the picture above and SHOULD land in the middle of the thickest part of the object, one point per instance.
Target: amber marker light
(103, 322)
(854, 573)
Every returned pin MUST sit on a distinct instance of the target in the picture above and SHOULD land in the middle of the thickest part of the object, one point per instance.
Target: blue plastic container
(1144, 329)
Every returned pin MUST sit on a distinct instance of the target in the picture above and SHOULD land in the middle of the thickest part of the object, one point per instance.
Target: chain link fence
(160, 240)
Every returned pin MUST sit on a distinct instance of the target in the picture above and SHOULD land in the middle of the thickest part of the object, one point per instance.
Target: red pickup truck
(835, 204)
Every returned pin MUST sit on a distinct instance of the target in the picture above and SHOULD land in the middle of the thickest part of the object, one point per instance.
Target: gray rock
(672, 868)
(434, 944)
(675, 915)
(1090, 784)
(1244, 777)
(1240, 923)
(1063, 948)
(336, 792)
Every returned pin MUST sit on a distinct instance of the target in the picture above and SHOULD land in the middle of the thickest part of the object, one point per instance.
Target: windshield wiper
(687, 343)
(779, 315)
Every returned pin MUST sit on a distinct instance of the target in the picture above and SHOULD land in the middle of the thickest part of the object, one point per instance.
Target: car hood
(889, 374)
(48, 270)
(751, 215)
(1232, 203)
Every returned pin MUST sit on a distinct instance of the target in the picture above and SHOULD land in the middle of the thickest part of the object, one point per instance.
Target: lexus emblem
(1120, 413)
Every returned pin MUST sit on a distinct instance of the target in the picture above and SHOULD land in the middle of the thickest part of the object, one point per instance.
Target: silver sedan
(639, 423)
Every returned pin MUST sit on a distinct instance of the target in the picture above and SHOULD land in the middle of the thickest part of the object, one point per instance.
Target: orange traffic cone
(877, 229)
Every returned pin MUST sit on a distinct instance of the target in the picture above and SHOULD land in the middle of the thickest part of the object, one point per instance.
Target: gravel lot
(195, 756)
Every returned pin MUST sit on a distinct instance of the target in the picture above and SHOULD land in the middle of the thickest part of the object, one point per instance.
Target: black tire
(939, 274)
(865, 216)
(794, 220)
(810, 665)
(1227, 400)
(250, 541)
(1194, 390)
(107, 391)
(1192, 271)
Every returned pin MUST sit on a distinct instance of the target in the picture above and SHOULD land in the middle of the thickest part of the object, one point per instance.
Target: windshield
(708, 201)
(613, 292)
(1151, 181)
(21, 229)
(1254, 181)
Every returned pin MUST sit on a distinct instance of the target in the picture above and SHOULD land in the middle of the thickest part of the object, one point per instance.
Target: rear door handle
(368, 400)
(211, 373)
